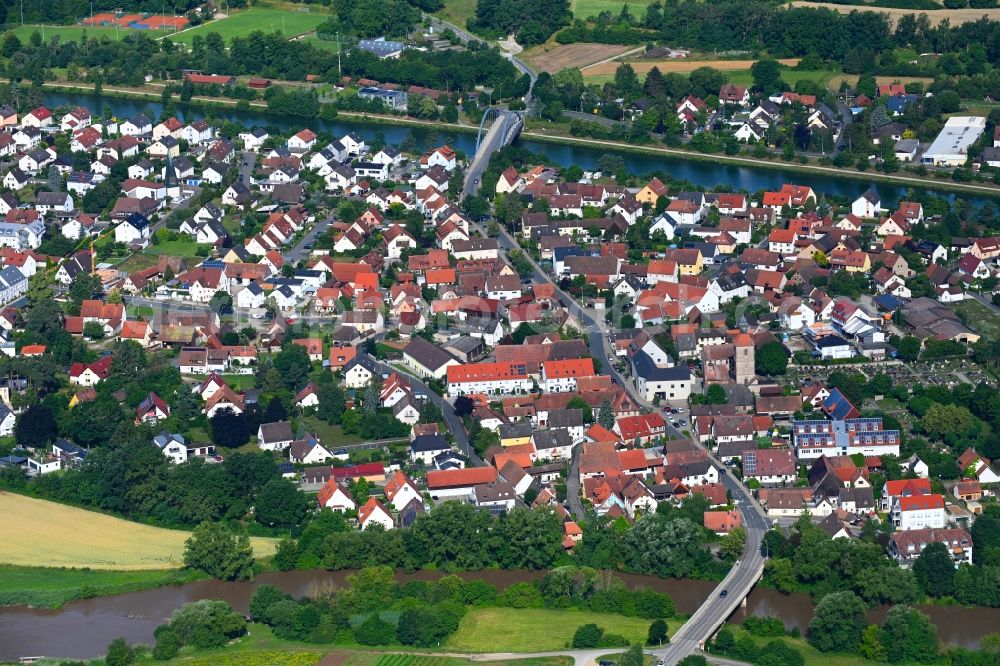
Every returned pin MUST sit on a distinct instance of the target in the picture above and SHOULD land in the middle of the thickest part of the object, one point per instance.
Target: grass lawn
(813, 657)
(330, 435)
(536, 629)
(73, 33)
(587, 8)
(324, 44)
(457, 11)
(239, 382)
(979, 318)
(181, 247)
(241, 24)
(44, 587)
(37, 530)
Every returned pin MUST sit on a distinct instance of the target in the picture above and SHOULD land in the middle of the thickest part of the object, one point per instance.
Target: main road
(729, 594)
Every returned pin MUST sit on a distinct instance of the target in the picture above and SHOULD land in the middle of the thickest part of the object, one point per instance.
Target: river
(701, 173)
(83, 629)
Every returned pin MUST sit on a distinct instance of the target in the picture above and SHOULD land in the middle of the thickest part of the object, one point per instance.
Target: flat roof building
(951, 146)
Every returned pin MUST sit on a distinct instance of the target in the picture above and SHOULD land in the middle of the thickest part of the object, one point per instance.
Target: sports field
(73, 33)
(240, 24)
(41, 533)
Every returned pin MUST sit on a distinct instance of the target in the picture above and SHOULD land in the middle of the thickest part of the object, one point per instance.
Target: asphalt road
(299, 251)
(744, 575)
(454, 423)
(492, 141)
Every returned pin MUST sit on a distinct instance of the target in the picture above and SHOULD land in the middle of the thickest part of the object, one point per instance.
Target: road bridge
(498, 128)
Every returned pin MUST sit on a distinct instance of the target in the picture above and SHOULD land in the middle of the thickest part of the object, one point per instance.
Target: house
(732, 94)
(906, 547)
(424, 448)
(308, 451)
(722, 522)
(173, 446)
(274, 436)
(335, 497)
(152, 409)
(7, 421)
(916, 512)
(445, 484)
(972, 465)
(426, 359)
(374, 512)
(497, 496)
(770, 467)
(133, 229)
(400, 491)
(90, 374)
(302, 142)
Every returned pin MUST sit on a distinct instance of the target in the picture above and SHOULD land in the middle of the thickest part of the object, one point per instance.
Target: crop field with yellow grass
(41, 533)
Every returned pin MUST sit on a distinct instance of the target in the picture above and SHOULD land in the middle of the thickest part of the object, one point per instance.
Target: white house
(274, 436)
(134, 229)
(173, 446)
(868, 205)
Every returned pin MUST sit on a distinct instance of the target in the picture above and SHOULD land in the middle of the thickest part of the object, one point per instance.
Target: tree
(934, 571)
(120, 653)
(947, 419)
(693, 660)
(218, 552)
(908, 348)
(263, 598)
(375, 631)
(606, 414)
(657, 633)
(230, 429)
(587, 636)
(837, 623)
(207, 623)
(463, 405)
(716, 395)
(579, 403)
(93, 330)
(772, 359)
(280, 504)
(909, 635)
(633, 656)
(36, 427)
(733, 543)
(767, 76)
(871, 645)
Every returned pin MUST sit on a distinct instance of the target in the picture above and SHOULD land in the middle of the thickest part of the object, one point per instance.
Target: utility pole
(22, 13)
(340, 72)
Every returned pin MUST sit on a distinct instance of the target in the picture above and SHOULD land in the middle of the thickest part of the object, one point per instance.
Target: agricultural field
(63, 536)
(587, 8)
(852, 80)
(546, 58)
(955, 16)
(682, 65)
(537, 630)
(241, 24)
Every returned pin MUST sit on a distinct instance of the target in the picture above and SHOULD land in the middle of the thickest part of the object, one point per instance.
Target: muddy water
(84, 628)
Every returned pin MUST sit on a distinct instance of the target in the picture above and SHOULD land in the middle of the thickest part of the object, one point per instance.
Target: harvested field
(41, 533)
(552, 59)
(679, 65)
(956, 16)
(852, 80)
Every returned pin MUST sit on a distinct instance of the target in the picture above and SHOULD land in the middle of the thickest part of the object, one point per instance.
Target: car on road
(308, 246)
(683, 422)
(661, 662)
(723, 594)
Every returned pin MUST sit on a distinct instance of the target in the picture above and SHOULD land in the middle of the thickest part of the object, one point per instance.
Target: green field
(323, 44)
(50, 588)
(329, 435)
(457, 11)
(980, 318)
(588, 8)
(182, 247)
(73, 33)
(289, 23)
(536, 629)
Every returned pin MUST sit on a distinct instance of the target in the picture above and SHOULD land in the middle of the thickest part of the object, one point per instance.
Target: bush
(657, 633)
(587, 636)
(168, 643)
(375, 631)
(120, 653)
(764, 626)
(207, 623)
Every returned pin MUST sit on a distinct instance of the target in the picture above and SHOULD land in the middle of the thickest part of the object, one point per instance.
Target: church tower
(744, 367)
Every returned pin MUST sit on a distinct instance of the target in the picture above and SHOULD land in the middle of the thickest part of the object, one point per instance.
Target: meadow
(44, 587)
(241, 24)
(537, 629)
(41, 532)
(588, 8)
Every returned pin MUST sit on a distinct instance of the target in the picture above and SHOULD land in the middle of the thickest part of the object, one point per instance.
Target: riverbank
(916, 182)
(213, 102)
(45, 587)
(676, 155)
